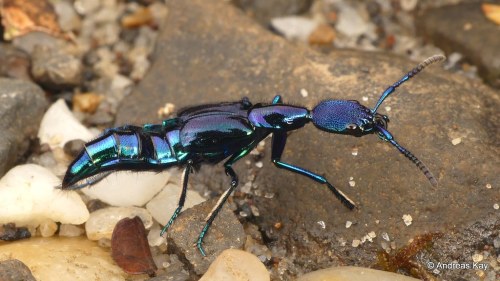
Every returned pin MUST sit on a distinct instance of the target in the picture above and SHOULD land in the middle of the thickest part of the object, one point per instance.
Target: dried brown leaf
(130, 248)
(20, 17)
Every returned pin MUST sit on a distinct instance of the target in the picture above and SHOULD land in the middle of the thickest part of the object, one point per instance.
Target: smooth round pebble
(28, 197)
(69, 230)
(294, 27)
(126, 188)
(102, 222)
(59, 126)
(63, 259)
(353, 273)
(47, 228)
(236, 265)
(164, 204)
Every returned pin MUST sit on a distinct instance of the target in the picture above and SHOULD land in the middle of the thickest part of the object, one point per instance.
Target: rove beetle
(213, 132)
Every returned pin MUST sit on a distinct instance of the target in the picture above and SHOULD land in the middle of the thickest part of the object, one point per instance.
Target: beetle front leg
(182, 197)
(278, 145)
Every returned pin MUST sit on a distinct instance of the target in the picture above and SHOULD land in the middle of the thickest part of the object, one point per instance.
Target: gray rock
(13, 270)
(55, 68)
(225, 232)
(15, 63)
(459, 28)
(21, 108)
(29, 41)
(201, 59)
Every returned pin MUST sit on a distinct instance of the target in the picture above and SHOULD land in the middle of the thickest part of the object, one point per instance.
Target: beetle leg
(218, 206)
(182, 198)
(279, 141)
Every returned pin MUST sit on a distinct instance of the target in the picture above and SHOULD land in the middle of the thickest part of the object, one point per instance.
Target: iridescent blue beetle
(214, 132)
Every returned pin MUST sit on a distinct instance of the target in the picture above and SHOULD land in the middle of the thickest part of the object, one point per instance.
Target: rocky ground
(122, 62)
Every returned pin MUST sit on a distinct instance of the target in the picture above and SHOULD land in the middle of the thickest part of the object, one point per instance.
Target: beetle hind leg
(223, 198)
(182, 198)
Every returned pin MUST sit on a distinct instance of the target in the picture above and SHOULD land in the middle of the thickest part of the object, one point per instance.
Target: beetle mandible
(230, 130)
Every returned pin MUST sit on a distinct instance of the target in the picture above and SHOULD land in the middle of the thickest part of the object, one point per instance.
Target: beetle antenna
(413, 72)
(385, 135)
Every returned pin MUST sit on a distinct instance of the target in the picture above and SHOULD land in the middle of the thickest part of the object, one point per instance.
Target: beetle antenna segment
(413, 72)
(385, 135)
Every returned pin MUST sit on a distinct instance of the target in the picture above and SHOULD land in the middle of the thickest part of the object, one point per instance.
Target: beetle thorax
(281, 117)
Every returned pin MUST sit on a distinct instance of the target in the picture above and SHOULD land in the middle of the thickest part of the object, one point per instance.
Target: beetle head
(352, 118)
(347, 117)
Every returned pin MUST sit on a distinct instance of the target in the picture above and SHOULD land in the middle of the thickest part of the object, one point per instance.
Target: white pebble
(163, 205)
(348, 224)
(322, 224)
(255, 211)
(166, 110)
(259, 164)
(294, 27)
(352, 183)
(477, 257)
(407, 219)
(385, 236)
(387, 108)
(28, 197)
(126, 188)
(354, 151)
(496, 206)
(351, 23)
(75, 259)
(408, 5)
(47, 228)
(102, 222)
(356, 243)
(456, 141)
(364, 98)
(154, 238)
(488, 186)
(352, 273)
(69, 230)
(59, 126)
(236, 265)
(304, 93)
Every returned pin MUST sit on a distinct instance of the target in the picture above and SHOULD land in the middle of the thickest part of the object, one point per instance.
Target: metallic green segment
(102, 149)
(83, 165)
(129, 145)
(162, 149)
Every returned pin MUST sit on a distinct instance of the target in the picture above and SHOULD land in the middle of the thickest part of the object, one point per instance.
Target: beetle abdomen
(120, 149)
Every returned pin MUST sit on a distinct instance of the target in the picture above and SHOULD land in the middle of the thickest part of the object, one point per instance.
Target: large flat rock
(209, 51)
(464, 28)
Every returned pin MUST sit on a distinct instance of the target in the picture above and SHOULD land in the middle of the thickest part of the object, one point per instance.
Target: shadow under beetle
(211, 133)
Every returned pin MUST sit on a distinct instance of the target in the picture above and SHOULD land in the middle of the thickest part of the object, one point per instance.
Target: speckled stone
(14, 270)
(226, 232)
